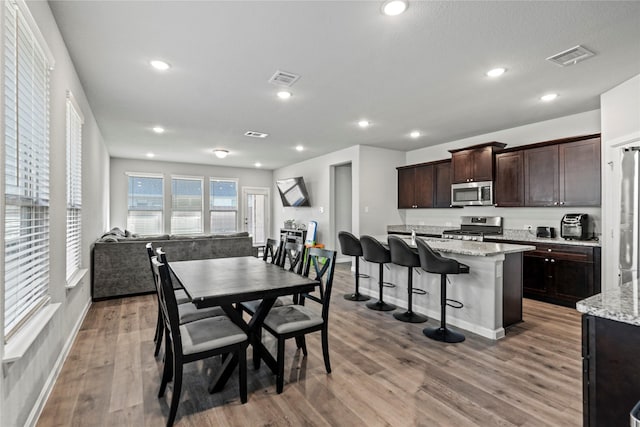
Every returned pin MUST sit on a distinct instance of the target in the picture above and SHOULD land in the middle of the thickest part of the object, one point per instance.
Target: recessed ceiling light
(220, 153)
(496, 72)
(160, 65)
(415, 134)
(283, 94)
(150, 155)
(549, 97)
(255, 134)
(363, 123)
(258, 164)
(394, 7)
(158, 129)
(299, 147)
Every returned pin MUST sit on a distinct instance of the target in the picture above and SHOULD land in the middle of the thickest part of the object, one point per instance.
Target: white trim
(192, 178)
(76, 278)
(28, 333)
(76, 106)
(145, 174)
(36, 411)
(623, 140)
(33, 26)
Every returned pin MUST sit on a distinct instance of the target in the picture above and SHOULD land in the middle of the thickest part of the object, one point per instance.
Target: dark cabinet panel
(406, 188)
(541, 176)
(474, 163)
(442, 174)
(461, 166)
(580, 173)
(509, 182)
(482, 164)
(424, 186)
(535, 275)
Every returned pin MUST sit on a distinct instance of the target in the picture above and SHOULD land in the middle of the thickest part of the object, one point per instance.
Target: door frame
(243, 206)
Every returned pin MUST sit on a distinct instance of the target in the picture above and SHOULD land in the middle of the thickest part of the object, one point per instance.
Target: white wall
(620, 127)
(25, 383)
(119, 183)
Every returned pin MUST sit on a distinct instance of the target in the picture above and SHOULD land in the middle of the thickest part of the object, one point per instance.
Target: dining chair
(197, 340)
(271, 251)
(297, 320)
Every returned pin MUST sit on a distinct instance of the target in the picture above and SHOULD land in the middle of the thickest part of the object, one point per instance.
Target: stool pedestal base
(443, 334)
(410, 317)
(380, 306)
(356, 297)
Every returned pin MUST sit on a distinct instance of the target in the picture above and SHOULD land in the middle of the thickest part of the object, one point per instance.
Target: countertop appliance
(475, 228)
(575, 226)
(472, 194)
(546, 232)
(629, 214)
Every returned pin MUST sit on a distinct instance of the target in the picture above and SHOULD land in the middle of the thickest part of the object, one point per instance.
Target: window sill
(76, 278)
(21, 341)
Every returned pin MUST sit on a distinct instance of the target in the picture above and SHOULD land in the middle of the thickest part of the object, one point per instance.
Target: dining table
(226, 282)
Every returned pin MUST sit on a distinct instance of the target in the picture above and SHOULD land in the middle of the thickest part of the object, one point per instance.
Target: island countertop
(621, 303)
(465, 247)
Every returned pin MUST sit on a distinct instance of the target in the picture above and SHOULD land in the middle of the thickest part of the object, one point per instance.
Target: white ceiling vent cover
(571, 56)
(284, 78)
(256, 134)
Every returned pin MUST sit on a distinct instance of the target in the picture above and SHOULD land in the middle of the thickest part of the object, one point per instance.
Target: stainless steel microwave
(472, 194)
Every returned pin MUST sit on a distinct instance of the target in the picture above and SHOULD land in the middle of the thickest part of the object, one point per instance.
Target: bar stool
(403, 254)
(350, 245)
(374, 251)
(431, 262)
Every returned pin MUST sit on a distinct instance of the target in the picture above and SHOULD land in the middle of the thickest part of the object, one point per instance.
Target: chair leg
(256, 352)
(159, 332)
(167, 371)
(303, 345)
(280, 362)
(443, 333)
(177, 389)
(409, 316)
(242, 372)
(325, 350)
(357, 296)
(380, 305)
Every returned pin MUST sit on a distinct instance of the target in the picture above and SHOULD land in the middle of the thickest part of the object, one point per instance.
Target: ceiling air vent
(284, 78)
(256, 134)
(571, 56)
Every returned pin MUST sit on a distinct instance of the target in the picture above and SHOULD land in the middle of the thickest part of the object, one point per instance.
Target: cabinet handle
(546, 260)
(548, 250)
(562, 203)
(553, 260)
(555, 203)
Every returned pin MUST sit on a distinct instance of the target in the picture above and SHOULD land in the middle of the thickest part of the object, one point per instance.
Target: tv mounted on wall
(293, 192)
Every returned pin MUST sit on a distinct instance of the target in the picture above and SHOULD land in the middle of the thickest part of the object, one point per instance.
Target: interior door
(255, 213)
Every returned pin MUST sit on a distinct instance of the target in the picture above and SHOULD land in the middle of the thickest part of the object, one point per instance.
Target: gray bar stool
(431, 262)
(403, 254)
(350, 245)
(374, 251)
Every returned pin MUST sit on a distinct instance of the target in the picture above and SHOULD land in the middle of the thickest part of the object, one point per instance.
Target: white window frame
(161, 210)
(211, 200)
(175, 212)
(25, 185)
(75, 120)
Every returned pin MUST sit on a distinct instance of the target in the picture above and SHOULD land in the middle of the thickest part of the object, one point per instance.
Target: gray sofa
(120, 265)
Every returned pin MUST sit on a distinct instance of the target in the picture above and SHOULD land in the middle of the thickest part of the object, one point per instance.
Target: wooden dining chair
(194, 341)
(271, 251)
(295, 321)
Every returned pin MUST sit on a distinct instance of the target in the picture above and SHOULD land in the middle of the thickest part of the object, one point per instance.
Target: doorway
(342, 202)
(255, 213)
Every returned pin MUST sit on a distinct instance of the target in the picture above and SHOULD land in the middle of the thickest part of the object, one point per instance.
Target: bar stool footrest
(388, 285)
(419, 291)
(454, 303)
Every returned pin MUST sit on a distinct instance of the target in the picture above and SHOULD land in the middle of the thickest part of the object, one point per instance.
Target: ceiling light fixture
(150, 155)
(496, 72)
(415, 134)
(283, 94)
(258, 164)
(160, 65)
(158, 129)
(394, 7)
(363, 123)
(221, 154)
(549, 97)
(299, 147)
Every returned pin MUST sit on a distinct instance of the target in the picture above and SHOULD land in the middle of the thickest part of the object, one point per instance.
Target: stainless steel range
(475, 228)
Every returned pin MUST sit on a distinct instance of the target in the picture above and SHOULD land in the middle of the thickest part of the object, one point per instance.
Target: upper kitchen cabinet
(415, 186)
(509, 179)
(474, 163)
(563, 173)
(442, 186)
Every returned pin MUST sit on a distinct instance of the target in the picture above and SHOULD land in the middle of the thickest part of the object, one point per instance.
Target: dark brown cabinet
(474, 163)
(442, 187)
(509, 179)
(426, 185)
(565, 174)
(561, 274)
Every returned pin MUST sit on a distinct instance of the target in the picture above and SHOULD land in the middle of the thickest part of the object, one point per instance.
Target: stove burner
(477, 236)
(475, 228)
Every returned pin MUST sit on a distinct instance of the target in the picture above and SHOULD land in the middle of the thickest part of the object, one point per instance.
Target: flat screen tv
(293, 192)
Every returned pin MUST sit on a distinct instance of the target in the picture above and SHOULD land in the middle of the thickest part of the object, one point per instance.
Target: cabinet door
(509, 184)
(541, 176)
(572, 280)
(442, 174)
(580, 173)
(482, 164)
(461, 166)
(536, 275)
(424, 186)
(406, 188)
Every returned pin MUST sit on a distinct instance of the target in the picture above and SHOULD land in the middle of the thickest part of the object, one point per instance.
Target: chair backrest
(349, 244)
(324, 264)
(402, 253)
(151, 254)
(292, 254)
(374, 251)
(168, 303)
(432, 262)
(271, 251)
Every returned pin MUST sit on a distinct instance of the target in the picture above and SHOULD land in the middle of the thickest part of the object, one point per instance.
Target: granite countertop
(461, 247)
(621, 303)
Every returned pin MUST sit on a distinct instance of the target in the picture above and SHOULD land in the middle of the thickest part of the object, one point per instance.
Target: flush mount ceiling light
(221, 154)
(160, 65)
(255, 134)
(415, 134)
(158, 129)
(258, 164)
(150, 155)
(299, 147)
(549, 97)
(496, 72)
(394, 7)
(283, 94)
(364, 123)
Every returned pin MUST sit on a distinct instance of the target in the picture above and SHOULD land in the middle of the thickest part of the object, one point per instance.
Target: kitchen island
(491, 292)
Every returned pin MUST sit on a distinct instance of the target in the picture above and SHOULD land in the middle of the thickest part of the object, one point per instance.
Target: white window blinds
(223, 205)
(186, 205)
(26, 167)
(146, 201)
(74, 186)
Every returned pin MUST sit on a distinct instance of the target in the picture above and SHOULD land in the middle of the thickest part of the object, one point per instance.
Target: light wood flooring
(385, 373)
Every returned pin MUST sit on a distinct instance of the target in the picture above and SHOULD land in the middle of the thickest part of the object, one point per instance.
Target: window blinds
(74, 186)
(146, 203)
(223, 205)
(26, 102)
(186, 204)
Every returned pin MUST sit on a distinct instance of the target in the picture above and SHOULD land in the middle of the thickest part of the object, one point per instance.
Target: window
(74, 186)
(186, 204)
(27, 64)
(223, 204)
(145, 202)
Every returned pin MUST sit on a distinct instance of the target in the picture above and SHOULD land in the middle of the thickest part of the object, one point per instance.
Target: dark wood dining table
(227, 281)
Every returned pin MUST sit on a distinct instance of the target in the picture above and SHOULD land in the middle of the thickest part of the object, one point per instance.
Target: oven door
(472, 194)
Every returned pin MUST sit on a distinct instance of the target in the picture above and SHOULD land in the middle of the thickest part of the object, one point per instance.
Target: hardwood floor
(385, 373)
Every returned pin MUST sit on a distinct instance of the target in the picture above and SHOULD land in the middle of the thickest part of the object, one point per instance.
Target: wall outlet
(527, 227)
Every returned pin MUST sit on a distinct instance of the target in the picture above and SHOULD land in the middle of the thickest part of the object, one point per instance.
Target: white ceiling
(421, 70)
